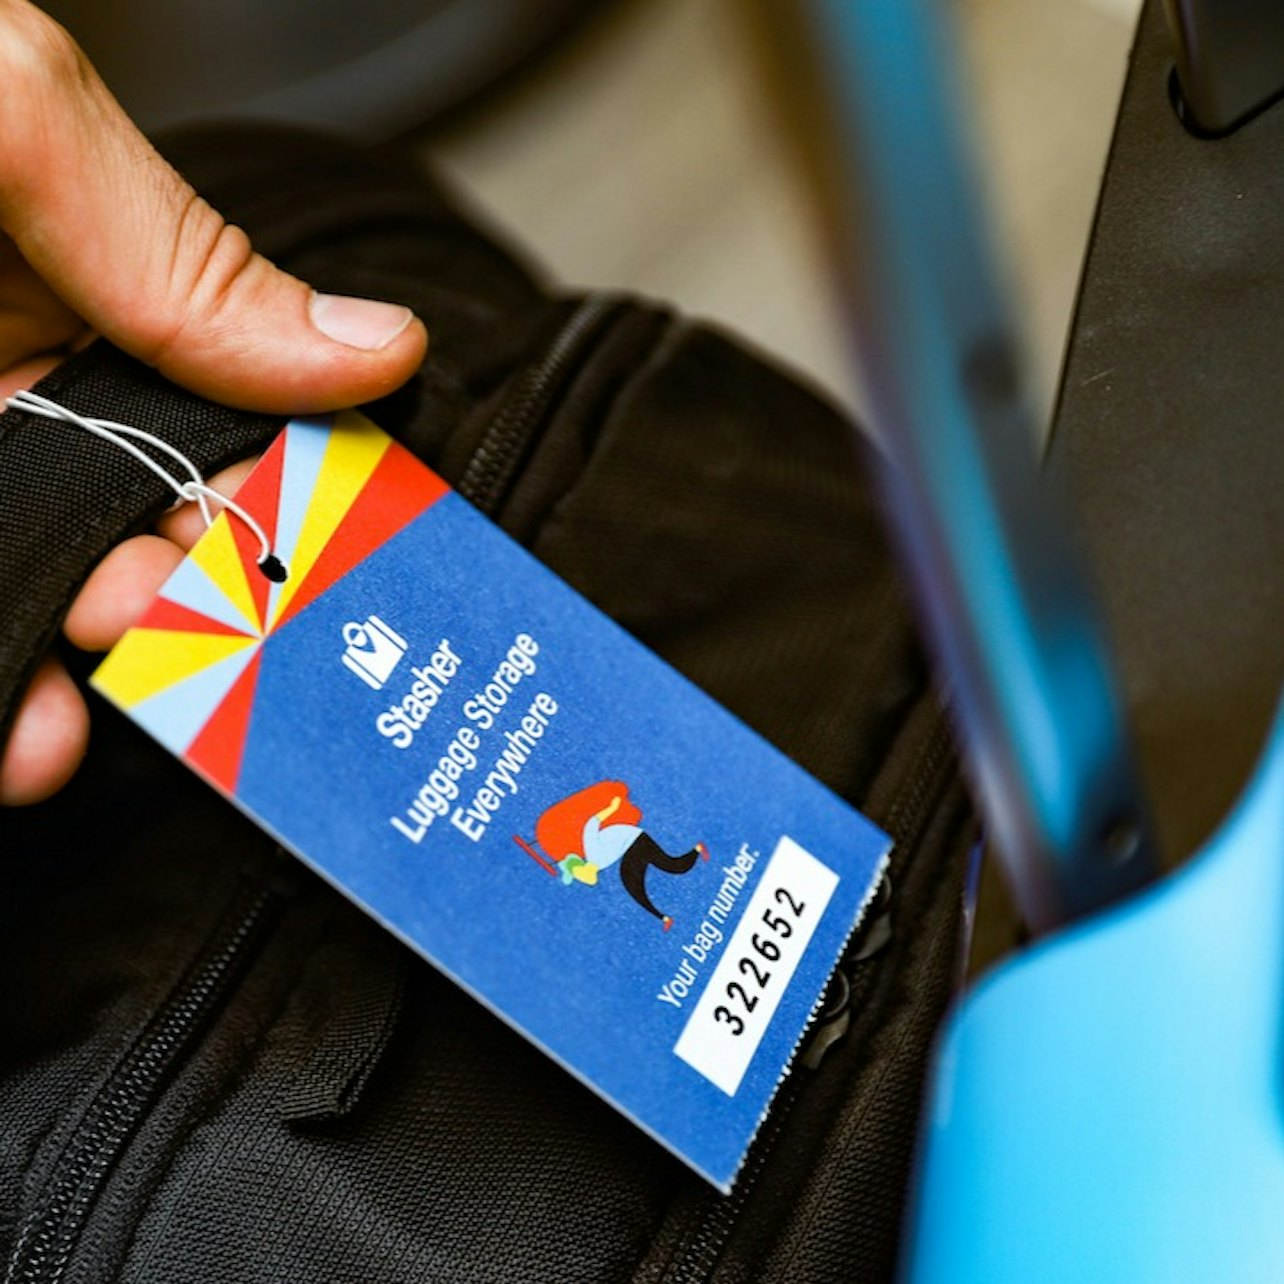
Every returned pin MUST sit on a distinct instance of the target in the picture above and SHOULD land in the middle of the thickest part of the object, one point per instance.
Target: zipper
(49, 1234)
(525, 407)
(851, 981)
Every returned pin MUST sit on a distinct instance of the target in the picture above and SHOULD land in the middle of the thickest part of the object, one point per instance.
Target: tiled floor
(644, 156)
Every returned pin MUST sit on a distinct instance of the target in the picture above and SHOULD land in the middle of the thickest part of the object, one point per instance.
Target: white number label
(736, 1007)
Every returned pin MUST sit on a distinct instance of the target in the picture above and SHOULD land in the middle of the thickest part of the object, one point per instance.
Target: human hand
(99, 235)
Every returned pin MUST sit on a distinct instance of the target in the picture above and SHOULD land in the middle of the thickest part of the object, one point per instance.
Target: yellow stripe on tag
(217, 555)
(352, 454)
(148, 661)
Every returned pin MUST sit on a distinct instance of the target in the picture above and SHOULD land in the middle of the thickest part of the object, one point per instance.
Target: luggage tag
(506, 780)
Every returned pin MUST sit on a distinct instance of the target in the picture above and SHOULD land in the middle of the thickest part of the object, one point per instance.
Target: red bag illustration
(560, 830)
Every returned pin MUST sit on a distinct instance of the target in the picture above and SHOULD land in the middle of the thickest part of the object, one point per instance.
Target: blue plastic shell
(1107, 1106)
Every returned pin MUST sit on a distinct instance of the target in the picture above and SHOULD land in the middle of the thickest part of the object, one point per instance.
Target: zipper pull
(875, 933)
(835, 1016)
(832, 1023)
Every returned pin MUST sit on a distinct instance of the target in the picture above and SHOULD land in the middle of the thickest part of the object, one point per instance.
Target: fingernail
(359, 323)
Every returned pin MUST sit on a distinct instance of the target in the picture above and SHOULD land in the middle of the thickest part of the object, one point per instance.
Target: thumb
(132, 249)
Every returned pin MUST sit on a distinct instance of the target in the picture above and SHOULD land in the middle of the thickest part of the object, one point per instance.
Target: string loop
(192, 490)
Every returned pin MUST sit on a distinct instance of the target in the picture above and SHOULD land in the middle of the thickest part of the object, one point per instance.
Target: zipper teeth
(48, 1236)
(491, 468)
(925, 781)
(703, 1250)
(706, 1246)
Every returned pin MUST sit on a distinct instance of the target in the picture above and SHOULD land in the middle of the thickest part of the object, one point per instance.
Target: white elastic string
(194, 490)
(108, 429)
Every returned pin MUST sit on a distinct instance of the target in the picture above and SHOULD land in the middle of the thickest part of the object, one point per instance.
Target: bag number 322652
(765, 950)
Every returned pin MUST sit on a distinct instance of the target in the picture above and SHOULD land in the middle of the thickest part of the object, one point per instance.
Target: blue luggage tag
(507, 781)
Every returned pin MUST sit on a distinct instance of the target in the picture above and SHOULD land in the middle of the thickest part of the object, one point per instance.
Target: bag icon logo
(373, 650)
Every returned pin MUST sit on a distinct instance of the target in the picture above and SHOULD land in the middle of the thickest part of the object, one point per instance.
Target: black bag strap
(66, 497)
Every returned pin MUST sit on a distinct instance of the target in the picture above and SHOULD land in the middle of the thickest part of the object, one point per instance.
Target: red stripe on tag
(216, 752)
(398, 491)
(176, 618)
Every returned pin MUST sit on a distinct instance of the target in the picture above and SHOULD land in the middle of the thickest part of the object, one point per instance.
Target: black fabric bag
(212, 1067)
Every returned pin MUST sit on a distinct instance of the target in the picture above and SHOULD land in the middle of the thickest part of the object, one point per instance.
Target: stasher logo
(373, 650)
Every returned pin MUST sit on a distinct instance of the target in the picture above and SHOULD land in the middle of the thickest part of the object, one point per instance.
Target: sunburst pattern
(328, 494)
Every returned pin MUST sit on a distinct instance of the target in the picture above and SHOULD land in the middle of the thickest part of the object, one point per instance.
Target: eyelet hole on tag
(272, 568)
